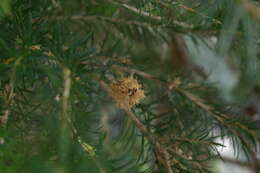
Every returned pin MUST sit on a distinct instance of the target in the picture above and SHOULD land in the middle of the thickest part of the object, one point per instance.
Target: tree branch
(195, 99)
(146, 14)
(163, 153)
(67, 122)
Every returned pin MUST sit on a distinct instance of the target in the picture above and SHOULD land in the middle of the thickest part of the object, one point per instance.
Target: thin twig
(97, 18)
(8, 94)
(65, 96)
(219, 116)
(146, 14)
(66, 119)
(190, 10)
(164, 156)
(162, 152)
(133, 9)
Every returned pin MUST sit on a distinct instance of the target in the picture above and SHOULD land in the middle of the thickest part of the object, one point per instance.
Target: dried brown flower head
(126, 92)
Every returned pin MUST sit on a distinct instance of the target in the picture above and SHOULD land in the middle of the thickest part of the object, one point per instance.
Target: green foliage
(57, 59)
(4, 7)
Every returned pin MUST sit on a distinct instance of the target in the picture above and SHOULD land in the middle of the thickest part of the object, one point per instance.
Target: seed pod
(126, 92)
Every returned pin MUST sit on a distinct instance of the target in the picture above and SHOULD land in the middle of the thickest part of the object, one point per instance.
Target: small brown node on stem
(126, 92)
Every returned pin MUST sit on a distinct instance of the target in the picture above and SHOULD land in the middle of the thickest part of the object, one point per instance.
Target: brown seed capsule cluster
(126, 92)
